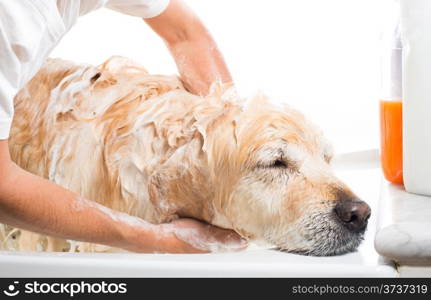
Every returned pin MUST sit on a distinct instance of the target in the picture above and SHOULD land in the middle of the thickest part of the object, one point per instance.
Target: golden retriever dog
(141, 144)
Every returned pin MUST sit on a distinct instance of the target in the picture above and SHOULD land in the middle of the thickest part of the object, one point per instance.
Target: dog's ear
(181, 189)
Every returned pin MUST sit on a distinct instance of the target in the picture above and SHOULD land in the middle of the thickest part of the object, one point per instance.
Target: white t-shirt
(30, 29)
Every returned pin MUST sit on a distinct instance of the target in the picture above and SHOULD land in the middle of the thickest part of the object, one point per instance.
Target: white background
(320, 56)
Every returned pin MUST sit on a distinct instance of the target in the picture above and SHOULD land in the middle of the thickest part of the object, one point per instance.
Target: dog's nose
(353, 213)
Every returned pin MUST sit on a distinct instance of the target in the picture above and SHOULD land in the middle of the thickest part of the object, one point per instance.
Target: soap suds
(82, 204)
(204, 241)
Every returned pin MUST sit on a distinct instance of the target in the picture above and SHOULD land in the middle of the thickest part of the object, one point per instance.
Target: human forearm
(32, 203)
(200, 64)
(196, 54)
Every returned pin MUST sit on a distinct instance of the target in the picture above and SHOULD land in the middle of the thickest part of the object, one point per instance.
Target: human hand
(186, 236)
(191, 236)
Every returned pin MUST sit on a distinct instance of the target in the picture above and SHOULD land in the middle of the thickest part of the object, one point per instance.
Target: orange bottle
(391, 106)
(391, 135)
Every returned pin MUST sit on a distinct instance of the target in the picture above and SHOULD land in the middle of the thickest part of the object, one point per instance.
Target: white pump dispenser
(416, 37)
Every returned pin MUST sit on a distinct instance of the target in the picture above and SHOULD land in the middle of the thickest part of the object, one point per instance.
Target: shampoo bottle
(416, 36)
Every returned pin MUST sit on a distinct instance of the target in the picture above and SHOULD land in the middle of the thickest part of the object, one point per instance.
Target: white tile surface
(404, 229)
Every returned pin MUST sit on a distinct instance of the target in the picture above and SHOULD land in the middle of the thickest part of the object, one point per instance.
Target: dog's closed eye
(279, 164)
(276, 159)
(275, 164)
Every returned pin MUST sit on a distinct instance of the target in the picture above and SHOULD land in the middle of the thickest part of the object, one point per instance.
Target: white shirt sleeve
(8, 89)
(139, 8)
(10, 76)
(7, 93)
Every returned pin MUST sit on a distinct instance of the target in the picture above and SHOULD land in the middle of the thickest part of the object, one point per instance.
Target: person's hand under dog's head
(187, 236)
(190, 235)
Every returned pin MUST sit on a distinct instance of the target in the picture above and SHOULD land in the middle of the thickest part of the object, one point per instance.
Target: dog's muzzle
(353, 214)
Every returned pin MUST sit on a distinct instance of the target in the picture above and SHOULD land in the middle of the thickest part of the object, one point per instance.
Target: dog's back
(74, 126)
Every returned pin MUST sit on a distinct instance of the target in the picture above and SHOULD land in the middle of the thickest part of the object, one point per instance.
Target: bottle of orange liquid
(391, 107)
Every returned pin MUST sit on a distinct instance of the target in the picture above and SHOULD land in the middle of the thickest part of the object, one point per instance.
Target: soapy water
(197, 238)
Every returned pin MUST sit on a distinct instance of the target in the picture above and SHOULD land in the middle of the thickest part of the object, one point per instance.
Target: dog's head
(274, 183)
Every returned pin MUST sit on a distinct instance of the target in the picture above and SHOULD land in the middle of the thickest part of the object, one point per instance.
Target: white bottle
(416, 36)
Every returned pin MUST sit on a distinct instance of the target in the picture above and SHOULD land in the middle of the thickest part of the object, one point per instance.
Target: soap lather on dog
(157, 152)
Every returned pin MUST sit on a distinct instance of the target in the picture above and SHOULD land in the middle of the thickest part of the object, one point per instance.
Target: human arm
(35, 204)
(199, 61)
